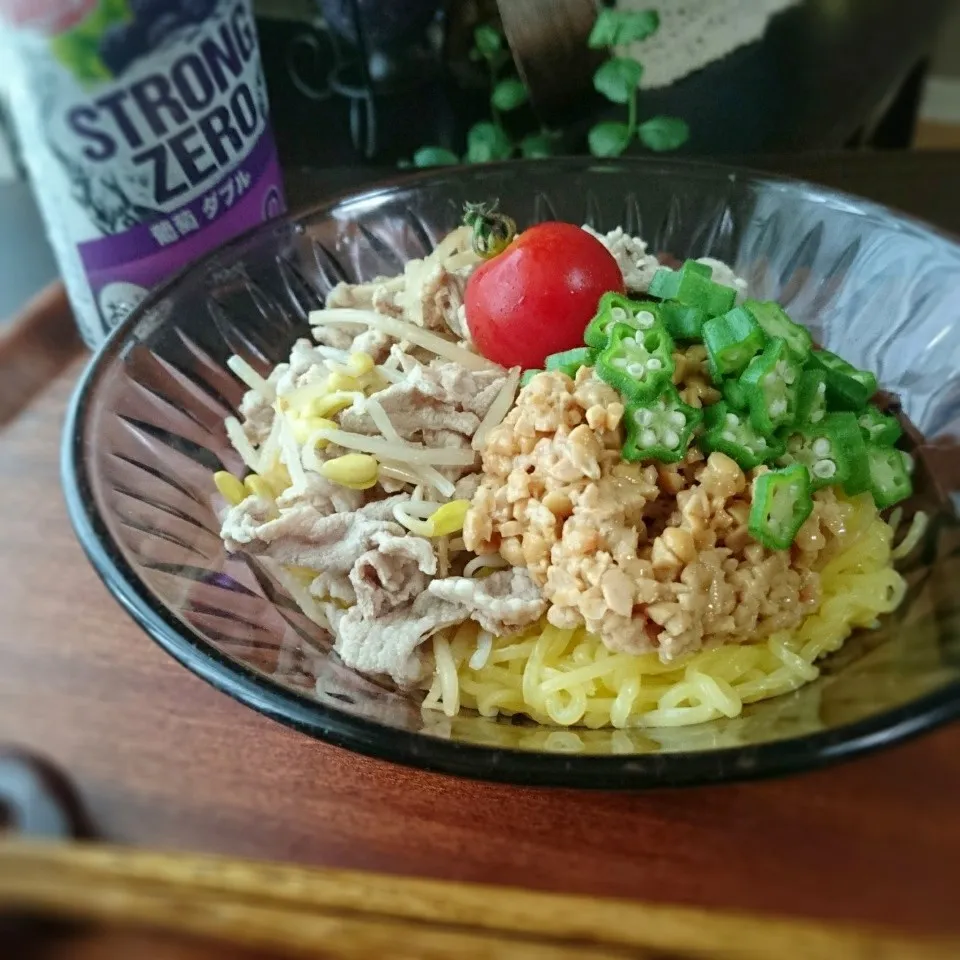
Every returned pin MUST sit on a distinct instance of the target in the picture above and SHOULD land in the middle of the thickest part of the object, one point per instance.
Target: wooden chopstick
(363, 915)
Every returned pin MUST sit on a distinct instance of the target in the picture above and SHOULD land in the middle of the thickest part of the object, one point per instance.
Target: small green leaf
(488, 41)
(608, 139)
(536, 146)
(663, 133)
(434, 157)
(509, 94)
(617, 79)
(486, 141)
(638, 25)
(615, 27)
(604, 32)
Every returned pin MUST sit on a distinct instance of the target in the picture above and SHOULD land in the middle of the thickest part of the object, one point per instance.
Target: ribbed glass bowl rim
(425, 751)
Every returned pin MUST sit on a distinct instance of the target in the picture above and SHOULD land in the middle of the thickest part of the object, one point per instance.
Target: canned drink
(145, 127)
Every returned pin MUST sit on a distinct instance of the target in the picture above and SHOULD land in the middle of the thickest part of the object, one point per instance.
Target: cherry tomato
(537, 297)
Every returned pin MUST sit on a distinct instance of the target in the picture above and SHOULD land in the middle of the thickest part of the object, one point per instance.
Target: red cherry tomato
(537, 297)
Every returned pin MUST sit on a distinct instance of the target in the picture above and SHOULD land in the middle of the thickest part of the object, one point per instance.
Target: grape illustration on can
(116, 33)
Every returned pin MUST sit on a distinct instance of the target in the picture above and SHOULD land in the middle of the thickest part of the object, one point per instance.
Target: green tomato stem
(492, 231)
(632, 114)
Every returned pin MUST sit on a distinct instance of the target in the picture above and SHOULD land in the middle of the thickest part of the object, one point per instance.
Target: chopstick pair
(339, 914)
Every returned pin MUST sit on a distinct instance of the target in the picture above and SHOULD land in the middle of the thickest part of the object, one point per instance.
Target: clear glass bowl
(145, 433)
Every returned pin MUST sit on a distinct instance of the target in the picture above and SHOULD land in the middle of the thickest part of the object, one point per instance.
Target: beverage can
(145, 127)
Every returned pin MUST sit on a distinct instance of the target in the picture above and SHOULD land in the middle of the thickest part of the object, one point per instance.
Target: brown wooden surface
(346, 915)
(41, 341)
(161, 759)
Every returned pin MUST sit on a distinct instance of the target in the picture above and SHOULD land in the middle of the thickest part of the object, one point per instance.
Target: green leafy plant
(617, 79)
(615, 27)
(488, 139)
(434, 157)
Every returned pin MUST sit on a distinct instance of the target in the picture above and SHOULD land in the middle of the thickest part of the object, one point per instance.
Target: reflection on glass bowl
(146, 432)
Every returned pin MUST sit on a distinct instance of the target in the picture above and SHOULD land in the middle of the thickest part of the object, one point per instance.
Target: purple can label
(154, 141)
(122, 267)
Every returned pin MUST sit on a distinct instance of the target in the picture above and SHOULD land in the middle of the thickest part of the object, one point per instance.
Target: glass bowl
(145, 433)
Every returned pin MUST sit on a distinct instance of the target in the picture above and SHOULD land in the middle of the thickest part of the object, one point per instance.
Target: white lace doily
(694, 33)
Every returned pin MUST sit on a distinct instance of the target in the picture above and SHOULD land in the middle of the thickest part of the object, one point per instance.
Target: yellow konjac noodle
(568, 677)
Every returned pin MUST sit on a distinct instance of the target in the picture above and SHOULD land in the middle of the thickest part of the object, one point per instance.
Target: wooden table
(162, 759)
